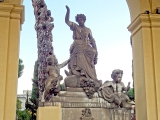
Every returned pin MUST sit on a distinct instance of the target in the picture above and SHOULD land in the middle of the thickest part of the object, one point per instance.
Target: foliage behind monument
(32, 104)
(20, 68)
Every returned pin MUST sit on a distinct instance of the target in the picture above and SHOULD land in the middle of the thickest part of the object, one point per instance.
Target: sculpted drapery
(83, 51)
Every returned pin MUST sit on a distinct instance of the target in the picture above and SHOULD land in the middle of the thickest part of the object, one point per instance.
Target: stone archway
(145, 29)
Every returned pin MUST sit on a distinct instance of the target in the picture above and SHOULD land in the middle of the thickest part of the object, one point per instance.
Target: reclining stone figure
(112, 91)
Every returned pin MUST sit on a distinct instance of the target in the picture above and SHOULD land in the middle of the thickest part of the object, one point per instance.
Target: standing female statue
(83, 50)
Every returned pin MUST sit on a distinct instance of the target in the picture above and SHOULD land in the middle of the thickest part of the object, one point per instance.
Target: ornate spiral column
(43, 27)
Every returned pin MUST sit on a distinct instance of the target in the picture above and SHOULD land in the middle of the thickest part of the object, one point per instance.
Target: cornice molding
(139, 22)
(13, 1)
(12, 11)
(18, 13)
(155, 20)
(144, 21)
(5, 8)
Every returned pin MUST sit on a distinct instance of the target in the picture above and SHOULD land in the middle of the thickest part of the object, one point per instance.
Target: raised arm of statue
(63, 64)
(67, 16)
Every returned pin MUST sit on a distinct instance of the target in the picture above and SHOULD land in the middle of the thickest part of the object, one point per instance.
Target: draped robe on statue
(82, 52)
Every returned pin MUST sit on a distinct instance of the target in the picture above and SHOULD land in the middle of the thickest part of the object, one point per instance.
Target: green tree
(130, 94)
(22, 114)
(62, 87)
(32, 104)
(18, 107)
(34, 94)
(20, 68)
(19, 104)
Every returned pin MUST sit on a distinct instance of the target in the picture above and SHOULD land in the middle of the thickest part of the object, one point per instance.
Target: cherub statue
(112, 91)
(52, 83)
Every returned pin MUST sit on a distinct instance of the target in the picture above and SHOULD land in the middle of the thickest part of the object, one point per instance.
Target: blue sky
(108, 21)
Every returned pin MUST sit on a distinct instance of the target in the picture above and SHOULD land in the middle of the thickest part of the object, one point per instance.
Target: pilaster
(145, 43)
(155, 23)
(11, 18)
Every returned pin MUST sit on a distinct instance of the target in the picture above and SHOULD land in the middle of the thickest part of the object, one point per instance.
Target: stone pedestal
(77, 106)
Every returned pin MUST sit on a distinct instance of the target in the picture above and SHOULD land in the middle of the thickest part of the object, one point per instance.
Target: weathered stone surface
(86, 114)
(71, 81)
(112, 91)
(52, 82)
(97, 114)
(83, 57)
(120, 114)
(74, 100)
(75, 114)
(75, 89)
(43, 27)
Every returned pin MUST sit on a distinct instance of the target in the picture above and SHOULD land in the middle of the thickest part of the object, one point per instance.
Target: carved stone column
(11, 18)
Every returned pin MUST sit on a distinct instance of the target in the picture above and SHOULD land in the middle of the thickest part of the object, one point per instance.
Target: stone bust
(112, 91)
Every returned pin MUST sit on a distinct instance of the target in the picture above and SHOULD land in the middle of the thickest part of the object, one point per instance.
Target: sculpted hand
(128, 87)
(67, 8)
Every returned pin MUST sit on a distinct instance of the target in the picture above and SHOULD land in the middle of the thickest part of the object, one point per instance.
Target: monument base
(75, 105)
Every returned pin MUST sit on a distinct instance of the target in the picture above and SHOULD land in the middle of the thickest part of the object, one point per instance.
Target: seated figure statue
(52, 83)
(112, 91)
(83, 53)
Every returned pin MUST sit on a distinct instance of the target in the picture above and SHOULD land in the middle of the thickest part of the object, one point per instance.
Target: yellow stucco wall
(18, 2)
(11, 17)
(145, 29)
(137, 7)
(49, 113)
(156, 51)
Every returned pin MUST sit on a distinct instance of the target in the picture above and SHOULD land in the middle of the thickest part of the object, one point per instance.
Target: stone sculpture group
(81, 65)
(85, 97)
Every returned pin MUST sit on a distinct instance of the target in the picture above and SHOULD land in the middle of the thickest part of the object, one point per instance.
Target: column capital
(155, 20)
(18, 13)
(12, 11)
(144, 21)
